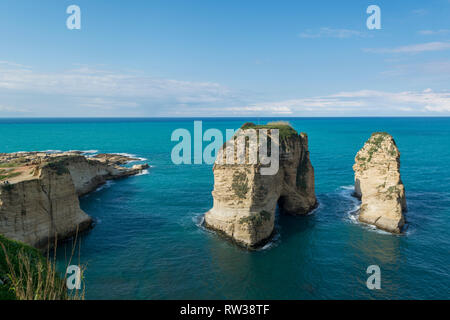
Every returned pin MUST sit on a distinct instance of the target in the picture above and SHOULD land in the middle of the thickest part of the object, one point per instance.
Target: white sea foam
(407, 231)
(52, 151)
(199, 221)
(353, 213)
(60, 151)
(314, 210)
(108, 184)
(273, 242)
(144, 172)
(347, 193)
(373, 228)
(130, 155)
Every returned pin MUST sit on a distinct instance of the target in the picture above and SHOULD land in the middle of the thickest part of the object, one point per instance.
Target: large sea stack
(378, 183)
(245, 200)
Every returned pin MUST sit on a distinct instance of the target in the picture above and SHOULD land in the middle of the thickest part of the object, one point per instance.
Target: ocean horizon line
(222, 117)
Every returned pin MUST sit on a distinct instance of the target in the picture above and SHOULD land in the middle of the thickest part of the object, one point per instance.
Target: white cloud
(103, 103)
(11, 109)
(90, 92)
(434, 32)
(274, 110)
(418, 101)
(419, 12)
(331, 33)
(433, 68)
(415, 48)
(12, 64)
(103, 87)
(364, 102)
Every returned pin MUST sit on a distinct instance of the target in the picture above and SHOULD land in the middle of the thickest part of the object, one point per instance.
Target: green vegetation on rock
(392, 191)
(302, 172)
(377, 138)
(8, 175)
(13, 163)
(240, 185)
(58, 165)
(375, 142)
(8, 164)
(284, 128)
(256, 219)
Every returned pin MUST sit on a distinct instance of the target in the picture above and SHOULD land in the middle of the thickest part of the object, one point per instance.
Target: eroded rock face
(90, 173)
(378, 183)
(35, 211)
(39, 193)
(245, 200)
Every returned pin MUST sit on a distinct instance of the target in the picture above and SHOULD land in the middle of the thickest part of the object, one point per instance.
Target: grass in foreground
(25, 274)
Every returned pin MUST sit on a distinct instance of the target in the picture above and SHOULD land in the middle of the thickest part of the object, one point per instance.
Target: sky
(224, 58)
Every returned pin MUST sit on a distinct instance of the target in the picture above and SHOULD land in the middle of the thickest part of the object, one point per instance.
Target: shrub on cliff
(285, 129)
(59, 166)
(7, 187)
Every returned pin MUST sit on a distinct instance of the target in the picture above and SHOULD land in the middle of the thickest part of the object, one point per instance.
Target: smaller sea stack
(378, 183)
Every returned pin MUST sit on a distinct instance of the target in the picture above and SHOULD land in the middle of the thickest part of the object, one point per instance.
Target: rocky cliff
(89, 173)
(245, 200)
(378, 183)
(39, 193)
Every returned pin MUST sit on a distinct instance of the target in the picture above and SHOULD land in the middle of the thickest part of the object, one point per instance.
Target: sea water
(148, 241)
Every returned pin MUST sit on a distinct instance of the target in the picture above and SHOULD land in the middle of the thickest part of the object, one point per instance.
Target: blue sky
(224, 58)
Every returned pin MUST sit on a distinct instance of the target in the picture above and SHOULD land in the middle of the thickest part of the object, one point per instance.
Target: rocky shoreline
(39, 192)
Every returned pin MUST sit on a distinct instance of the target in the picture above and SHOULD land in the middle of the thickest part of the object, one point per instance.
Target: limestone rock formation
(378, 183)
(245, 200)
(39, 193)
(114, 158)
(89, 173)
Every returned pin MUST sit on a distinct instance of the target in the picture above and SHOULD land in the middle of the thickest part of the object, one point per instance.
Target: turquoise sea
(148, 242)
